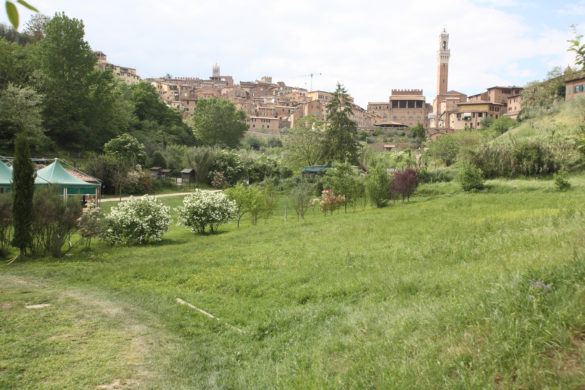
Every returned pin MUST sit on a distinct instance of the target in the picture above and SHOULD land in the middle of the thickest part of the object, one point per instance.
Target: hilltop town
(207, 232)
(273, 107)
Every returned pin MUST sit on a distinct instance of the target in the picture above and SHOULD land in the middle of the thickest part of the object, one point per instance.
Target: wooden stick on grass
(207, 314)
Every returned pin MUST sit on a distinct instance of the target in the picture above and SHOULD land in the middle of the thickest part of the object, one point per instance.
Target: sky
(370, 46)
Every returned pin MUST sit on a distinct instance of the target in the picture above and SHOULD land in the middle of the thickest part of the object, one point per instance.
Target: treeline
(51, 90)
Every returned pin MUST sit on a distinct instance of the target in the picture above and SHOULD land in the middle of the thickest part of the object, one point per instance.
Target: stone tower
(443, 61)
(216, 73)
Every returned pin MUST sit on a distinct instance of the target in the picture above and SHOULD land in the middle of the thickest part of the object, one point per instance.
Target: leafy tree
(12, 35)
(158, 160)
(23, 182)
(126, 149)
(16, 63)
(343, 181)
(243, 197)
(301, 196)
(404, 183)
(577, 46)
(471, 177)
(35, 27)
(377, 186)
(419, 133)
(66, 64)
(21, 108)
(54, 221)
(445, 149)
(202, 160)
(305, 142)
(341, 131)
(218, 122)
(157, 125)
(502, 124)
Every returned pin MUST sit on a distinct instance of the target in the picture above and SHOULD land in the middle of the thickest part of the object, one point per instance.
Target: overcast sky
(370, 46)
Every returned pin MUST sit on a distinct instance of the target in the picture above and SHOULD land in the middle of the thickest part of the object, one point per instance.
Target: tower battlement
(402, 92)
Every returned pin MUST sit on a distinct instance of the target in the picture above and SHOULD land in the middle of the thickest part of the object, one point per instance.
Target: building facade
(574, 88)
(128, 75)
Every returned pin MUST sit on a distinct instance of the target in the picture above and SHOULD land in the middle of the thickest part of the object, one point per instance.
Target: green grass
(451, 290)
(566, 121)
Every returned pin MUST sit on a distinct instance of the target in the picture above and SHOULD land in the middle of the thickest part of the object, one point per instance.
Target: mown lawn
(451, 290)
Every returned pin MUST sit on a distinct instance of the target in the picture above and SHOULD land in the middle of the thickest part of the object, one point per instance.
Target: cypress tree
(23, 182)
(340, 136)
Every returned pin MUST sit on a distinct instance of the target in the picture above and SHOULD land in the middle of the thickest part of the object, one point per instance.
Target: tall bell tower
(443, 61)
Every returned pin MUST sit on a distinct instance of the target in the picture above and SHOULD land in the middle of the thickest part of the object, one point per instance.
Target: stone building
(514, 106)
(128, 75)
(406, 107)
(575, 87)
(469, 115)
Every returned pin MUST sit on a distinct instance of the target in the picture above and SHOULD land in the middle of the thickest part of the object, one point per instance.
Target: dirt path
(156, 196)
(142, 341)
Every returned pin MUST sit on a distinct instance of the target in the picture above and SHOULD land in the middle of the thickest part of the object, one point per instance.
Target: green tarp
(57, 175)
(5, 177)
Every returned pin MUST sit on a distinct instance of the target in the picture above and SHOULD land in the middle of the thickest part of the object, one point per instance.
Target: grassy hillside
(566, 119)
(451, 290)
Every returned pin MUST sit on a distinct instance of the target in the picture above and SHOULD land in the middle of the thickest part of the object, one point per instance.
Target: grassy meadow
(449, 290)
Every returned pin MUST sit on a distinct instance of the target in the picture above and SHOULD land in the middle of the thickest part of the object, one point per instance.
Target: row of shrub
(55, 220)
(215, 167)
(527, 158)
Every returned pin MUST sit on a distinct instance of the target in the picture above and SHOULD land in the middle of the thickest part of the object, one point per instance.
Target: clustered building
(128, 75)
(454, 110)
(270, 107)
(405, 108)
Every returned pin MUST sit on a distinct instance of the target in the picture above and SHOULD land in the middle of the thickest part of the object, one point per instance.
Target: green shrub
(378, 186)
(90, 224)
(202, 161)
(158, 160)
(301, 196)
(206, 209)
(436, 176)
(136, 221)
(526, 158)
(562, 181)
(138, 182)
(55, 219)
(5, 223)
(444, 149)
(344, 181)
(471, 177)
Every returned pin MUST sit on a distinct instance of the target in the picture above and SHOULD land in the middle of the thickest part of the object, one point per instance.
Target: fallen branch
(207, 314)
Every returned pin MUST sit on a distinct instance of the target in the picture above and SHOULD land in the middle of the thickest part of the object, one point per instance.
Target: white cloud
(371, 46)
(576, 9)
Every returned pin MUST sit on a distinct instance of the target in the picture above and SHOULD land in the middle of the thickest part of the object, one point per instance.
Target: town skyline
(497, 48)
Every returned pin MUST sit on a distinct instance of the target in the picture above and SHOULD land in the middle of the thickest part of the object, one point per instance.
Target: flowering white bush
(136, 221)
(205, 208)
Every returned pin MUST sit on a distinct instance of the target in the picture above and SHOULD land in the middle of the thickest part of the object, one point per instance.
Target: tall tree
(218, 122)
(304, 142)
(340, 135)
(16, 63)
(23, 182)
(126, 148)
(66, 63)
(577, 46)
(20, 109)
(157, 124)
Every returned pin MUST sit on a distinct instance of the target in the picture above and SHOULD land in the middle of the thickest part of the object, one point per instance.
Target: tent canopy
(56, 174)
(5, 175)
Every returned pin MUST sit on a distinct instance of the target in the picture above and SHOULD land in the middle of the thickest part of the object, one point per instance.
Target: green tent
(5, 177)
(56, 174)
